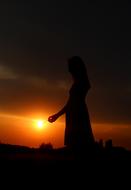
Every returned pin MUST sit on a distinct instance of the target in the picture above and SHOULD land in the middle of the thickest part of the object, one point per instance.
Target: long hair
(77, 68)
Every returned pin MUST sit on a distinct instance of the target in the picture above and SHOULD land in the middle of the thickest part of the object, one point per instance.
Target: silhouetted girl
(78, 132)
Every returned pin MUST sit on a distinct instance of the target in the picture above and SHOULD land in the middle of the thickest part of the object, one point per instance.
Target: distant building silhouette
(108, 144)
(101, 143)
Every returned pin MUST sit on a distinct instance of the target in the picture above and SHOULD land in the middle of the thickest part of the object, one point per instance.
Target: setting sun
(40, 124)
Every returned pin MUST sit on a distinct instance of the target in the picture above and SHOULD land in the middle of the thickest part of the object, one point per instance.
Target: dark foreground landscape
(48, 166)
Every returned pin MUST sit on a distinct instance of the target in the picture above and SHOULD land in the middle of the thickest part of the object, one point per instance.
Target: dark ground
(61, 168)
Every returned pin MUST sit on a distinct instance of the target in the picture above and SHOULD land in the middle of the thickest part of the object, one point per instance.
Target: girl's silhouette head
(77, 68)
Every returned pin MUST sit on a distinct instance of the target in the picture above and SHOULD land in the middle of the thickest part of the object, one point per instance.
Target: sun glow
(40, 124)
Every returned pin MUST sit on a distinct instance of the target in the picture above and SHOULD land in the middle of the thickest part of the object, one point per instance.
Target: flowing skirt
(78, 132)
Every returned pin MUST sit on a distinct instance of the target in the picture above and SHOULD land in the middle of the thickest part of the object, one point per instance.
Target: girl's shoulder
(78, 88)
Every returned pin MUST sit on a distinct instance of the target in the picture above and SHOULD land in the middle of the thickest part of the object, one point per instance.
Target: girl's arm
(54, 117)
(62, 111)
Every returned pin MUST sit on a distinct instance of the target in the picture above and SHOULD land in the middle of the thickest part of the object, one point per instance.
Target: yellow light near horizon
(40, 124)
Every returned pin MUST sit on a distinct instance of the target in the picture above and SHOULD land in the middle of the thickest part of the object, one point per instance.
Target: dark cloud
(37, 38)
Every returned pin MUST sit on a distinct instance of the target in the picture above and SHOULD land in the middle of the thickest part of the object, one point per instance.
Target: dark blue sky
(37, 38)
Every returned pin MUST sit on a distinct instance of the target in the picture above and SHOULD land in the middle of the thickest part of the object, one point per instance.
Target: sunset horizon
(28, 133)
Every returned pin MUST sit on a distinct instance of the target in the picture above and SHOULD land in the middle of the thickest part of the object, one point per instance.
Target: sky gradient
(36, 39)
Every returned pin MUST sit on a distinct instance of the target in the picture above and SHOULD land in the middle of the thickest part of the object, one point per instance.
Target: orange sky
(23, 130)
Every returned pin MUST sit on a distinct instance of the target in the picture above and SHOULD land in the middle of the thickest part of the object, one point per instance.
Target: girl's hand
(53, 118)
